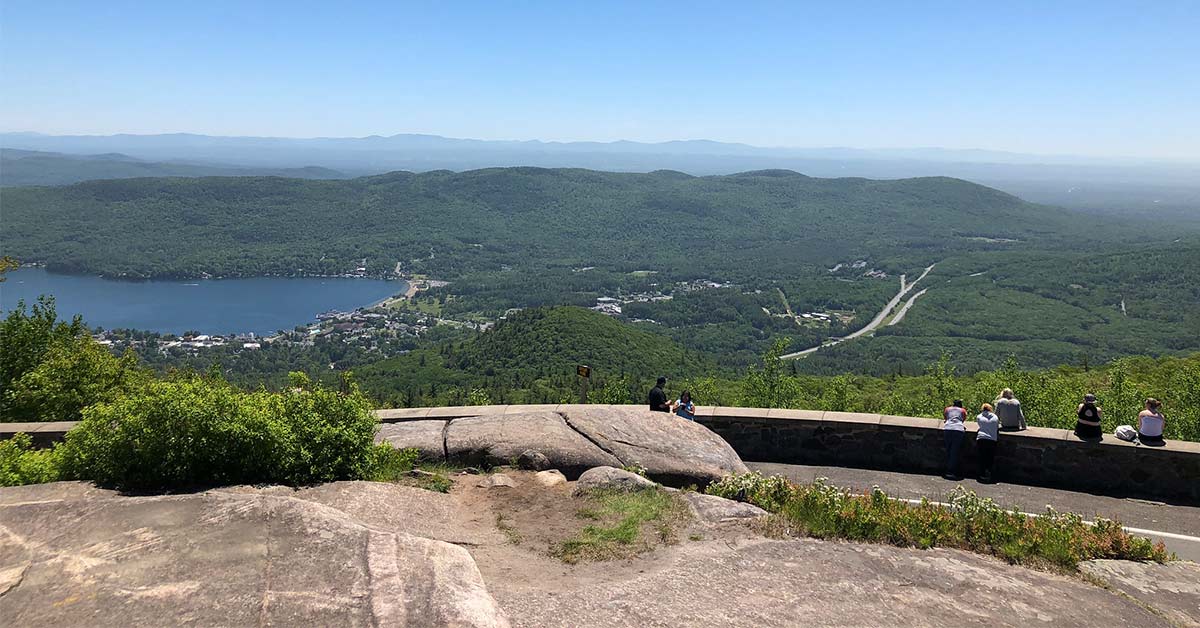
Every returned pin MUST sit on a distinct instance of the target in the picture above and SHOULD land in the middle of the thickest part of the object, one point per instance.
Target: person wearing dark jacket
(1088, 416)
(658, 398)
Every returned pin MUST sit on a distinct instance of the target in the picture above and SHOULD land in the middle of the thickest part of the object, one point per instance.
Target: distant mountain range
(1096, 183)
(27, 167)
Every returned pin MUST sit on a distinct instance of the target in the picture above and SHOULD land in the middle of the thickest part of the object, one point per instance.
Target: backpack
(1126, 432)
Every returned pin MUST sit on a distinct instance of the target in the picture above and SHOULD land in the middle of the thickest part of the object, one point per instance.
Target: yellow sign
(583, 371)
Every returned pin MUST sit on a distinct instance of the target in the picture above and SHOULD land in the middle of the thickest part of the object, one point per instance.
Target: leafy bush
(388, 464)
(21, 464)
(203, 431)
(969, 522)
(72, 375)
(767, 492)
(51, 371)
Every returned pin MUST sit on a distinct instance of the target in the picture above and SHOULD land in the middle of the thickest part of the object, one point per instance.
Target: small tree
(769, 386)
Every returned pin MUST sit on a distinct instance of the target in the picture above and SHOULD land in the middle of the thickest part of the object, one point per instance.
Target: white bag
(1125, 432)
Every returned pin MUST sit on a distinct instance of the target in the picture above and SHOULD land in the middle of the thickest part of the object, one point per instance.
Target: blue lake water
(261, 305)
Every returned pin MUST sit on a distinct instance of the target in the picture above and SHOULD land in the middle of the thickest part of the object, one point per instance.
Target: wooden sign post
(585, 375)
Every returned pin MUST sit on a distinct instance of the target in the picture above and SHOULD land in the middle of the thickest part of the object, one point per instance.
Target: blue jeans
(954, 442)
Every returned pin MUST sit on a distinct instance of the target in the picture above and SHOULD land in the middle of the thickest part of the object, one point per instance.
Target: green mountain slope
(553, 340)
(762, 224)
(530, 358)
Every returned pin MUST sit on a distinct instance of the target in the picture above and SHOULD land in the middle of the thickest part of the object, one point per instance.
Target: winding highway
(905, 288)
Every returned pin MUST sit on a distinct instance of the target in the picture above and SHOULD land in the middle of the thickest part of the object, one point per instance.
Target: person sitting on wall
(1088, 415)
(986, 441)
(953, 432)
(658, 398)
(1151, 423)
(1008, 408)
(683, 407)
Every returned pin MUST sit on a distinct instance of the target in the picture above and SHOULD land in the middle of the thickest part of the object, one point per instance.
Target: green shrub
(970, 522)
(202, 431)
(72, 375)
(21, 464)
(388, 464)
(25, 337)
(769, 493)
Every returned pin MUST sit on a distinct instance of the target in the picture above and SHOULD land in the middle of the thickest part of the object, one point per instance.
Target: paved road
(904, 310)
(1177, 526)
(905, 287)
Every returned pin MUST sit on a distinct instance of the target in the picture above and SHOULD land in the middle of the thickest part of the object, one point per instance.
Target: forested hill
(531, 357)
(761, 224)
(554, 339)
(26, 167)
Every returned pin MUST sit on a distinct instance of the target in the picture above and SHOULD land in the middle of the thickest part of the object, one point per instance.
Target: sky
(1092, 78)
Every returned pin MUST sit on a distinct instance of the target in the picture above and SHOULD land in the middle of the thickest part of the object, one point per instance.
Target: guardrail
(1036, 456)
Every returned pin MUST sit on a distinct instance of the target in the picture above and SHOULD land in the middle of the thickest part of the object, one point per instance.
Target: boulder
(553, 477)
(500, 439)
(225, 558)
(496, 480)
(713, 509)
(612, 478)
(672, 450)
(425, 436)
(531, 460)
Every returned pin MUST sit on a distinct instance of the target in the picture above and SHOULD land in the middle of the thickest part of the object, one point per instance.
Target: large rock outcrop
(427, 437)
(671, 450)
(1172, 589)
(222, 558)
(500, 439)
(578, 438)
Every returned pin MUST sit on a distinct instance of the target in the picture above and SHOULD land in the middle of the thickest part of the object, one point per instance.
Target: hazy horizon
(899, 152)
(1092, 79)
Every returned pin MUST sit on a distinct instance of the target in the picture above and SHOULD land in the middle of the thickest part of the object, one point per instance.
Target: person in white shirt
(1151, 423)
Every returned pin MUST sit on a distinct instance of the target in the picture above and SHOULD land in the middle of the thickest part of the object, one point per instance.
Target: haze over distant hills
(1105, 184)
(27, 167)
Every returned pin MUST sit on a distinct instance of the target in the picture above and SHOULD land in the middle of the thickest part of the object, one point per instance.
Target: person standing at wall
(986, 442)
(954, 431)
(1008, 408)
(658, 398)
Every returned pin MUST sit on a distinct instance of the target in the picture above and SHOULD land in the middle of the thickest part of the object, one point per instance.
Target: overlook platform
(1036, 457)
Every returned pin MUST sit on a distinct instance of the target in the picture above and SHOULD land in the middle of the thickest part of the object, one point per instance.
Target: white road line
(1138, 531)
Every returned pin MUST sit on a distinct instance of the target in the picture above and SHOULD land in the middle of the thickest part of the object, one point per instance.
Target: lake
(261, 305)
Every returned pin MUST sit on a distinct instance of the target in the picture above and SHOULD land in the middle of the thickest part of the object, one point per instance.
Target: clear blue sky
(1089, 77)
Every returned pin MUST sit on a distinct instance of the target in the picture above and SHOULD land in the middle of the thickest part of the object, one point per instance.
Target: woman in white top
(1151, 423)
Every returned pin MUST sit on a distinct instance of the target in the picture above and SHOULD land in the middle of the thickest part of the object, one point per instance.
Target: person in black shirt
(658, 398)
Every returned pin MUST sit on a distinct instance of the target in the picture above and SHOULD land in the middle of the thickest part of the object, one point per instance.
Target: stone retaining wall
(1037, 456)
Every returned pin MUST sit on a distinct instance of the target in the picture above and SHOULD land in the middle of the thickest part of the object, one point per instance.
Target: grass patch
(401, 466)
(1053, 540)
(510, 532)
(431, 476)
(627, 523)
